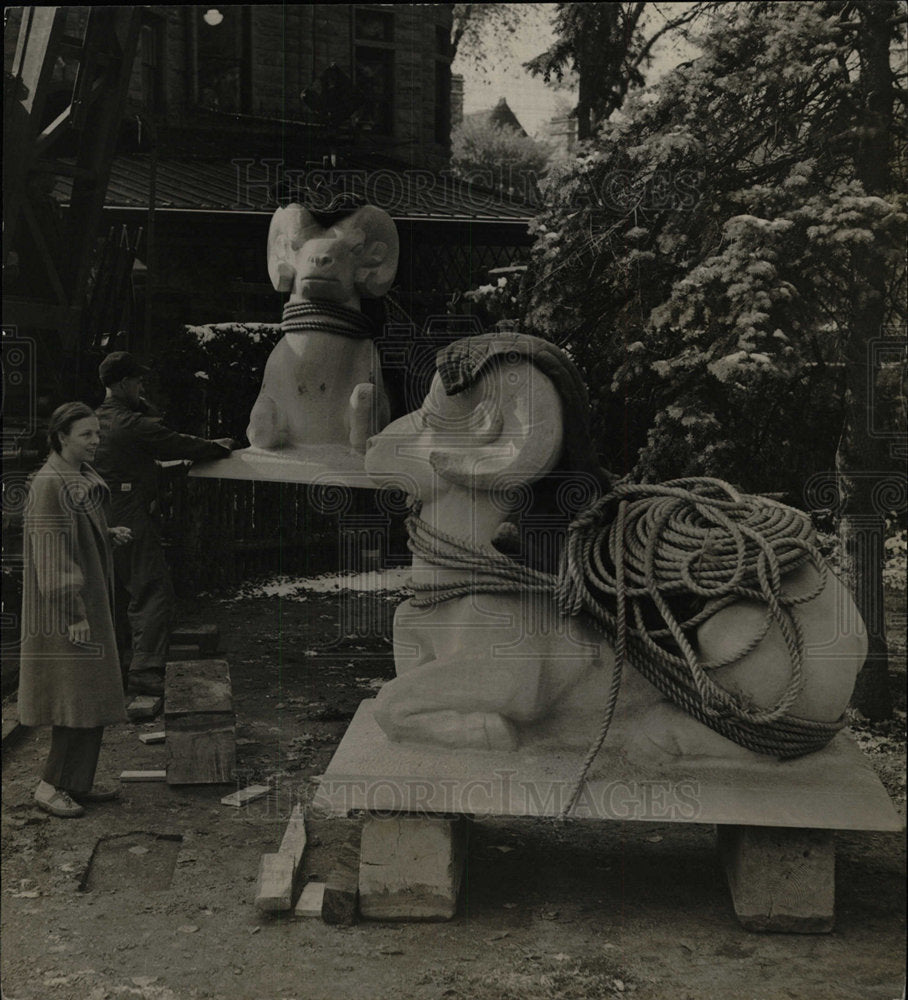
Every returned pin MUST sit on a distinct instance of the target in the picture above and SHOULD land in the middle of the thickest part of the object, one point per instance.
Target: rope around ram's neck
(326, 317)
(637, 549)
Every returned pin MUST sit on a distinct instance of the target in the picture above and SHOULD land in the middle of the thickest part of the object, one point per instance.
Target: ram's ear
(290, 228)
(378, 263)
(529, 425)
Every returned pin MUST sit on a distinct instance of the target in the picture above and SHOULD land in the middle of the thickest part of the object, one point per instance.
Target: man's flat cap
(119, 365)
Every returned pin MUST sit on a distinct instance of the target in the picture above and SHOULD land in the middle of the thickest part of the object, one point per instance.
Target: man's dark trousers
(142, 572)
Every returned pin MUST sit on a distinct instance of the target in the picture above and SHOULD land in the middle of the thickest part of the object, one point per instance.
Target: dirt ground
(152, 896)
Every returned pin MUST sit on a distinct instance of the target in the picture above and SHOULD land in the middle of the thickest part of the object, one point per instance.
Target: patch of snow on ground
(296, 588)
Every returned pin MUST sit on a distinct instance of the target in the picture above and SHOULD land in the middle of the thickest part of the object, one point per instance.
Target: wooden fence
(223, 532)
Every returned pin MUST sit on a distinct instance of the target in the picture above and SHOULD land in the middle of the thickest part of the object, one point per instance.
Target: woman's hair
(62, 419)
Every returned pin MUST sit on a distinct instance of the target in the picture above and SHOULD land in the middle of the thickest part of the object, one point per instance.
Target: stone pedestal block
(780, 879)
(411, 867)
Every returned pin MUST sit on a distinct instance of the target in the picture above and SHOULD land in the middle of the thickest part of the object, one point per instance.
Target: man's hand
(119, 535)
(227, 443)
(79, 632)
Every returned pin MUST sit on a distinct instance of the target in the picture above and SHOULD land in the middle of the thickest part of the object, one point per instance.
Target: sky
(501, 74)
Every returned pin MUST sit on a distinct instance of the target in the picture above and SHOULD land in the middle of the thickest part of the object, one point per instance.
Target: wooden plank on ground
(294, 839)
(151, 738)
(274, 887)
(143, 776)
(311, 900)
(201, 749)
(282, 875)
(245, 795)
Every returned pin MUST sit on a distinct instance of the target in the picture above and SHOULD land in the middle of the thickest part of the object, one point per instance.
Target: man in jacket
(133, 439)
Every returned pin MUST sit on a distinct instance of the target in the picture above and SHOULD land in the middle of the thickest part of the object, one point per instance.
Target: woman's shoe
(57, 802)
(96, 794)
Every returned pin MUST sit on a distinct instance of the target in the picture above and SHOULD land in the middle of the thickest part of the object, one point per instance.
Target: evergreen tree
(722, 260)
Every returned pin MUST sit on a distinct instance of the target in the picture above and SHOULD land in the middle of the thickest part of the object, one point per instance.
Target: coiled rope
(636, 556)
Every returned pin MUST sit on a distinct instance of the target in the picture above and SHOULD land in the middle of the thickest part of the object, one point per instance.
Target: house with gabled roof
(501, 115)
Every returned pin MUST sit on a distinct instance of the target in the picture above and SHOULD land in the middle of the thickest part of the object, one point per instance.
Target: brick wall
(291, 45)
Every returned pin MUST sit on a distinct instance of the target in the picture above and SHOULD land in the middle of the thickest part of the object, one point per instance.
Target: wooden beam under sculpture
(322, 394)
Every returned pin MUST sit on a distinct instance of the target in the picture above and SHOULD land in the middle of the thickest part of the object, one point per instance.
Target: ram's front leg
(264, 429)
(448, 703)
(369, 413)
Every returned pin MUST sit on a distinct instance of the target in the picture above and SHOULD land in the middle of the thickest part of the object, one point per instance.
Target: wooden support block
(245, 795)
(150, 738)
(781, 878)
(342, 884)
(198, 686)
(143, 776)
(200, 723)
(178, 653)
(411, 867)
(274, 888)
(144, 706)
(206, 637)
(311, 900)
(201, 750)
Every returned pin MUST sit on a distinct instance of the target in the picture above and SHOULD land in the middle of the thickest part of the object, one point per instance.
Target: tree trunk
(862, 543)
(863, 466)
(862, 460)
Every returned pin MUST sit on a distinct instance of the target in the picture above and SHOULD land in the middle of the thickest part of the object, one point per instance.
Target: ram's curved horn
(289, 229)
(376, 272)
(530, 439)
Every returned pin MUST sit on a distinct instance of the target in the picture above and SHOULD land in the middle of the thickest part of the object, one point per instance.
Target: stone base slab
(332, 465)
(833, 789)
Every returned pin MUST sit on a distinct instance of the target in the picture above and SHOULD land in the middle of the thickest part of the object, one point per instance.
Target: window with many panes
(66, 65)
(222, 37)
(373, 59)
(149, 59)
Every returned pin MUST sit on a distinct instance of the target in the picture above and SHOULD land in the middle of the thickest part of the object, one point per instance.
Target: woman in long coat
(69, 669)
